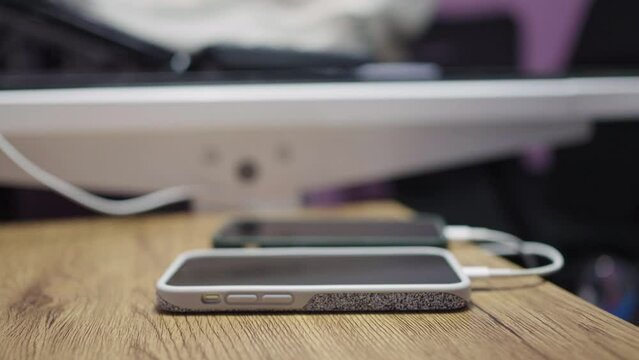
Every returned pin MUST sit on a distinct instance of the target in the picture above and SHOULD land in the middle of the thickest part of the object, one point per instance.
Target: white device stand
(292, 138)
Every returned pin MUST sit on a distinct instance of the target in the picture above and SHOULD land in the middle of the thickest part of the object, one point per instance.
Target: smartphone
(422, 231)
(314, 280)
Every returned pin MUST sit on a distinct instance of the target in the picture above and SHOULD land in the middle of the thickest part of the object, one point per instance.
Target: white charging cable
(476, 234)
(131, 206)
(466, 233)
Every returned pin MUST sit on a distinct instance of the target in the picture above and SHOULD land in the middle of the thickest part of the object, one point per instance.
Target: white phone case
(313, 298)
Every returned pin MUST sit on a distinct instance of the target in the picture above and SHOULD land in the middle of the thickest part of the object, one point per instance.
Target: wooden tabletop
(84, 289)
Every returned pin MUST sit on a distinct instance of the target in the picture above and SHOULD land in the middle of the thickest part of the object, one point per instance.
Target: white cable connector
(132, 206)
(476, 272)
(467, 233)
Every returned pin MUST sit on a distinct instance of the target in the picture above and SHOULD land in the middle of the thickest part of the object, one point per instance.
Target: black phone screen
(315, 270)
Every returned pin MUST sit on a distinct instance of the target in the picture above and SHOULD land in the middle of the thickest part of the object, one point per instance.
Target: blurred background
(582, 198)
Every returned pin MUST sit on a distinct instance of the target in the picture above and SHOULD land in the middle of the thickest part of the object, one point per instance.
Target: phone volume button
(241, 299)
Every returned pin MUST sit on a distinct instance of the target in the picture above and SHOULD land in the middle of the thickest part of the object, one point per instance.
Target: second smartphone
(255, 232)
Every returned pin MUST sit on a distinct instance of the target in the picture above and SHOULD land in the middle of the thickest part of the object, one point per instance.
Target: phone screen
(335, 229)
(315, 270)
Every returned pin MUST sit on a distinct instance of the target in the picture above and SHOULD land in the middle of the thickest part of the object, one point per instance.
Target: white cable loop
(467, 233)
(534, 248)
(132, 206)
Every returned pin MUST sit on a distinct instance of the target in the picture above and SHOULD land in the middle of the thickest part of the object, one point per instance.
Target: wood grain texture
(84, 289)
